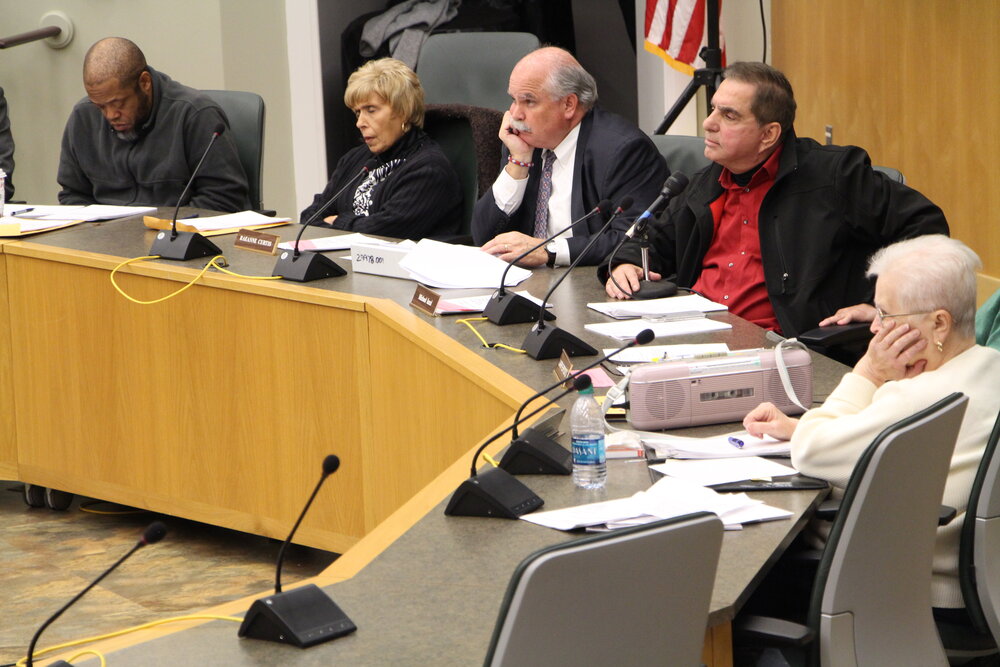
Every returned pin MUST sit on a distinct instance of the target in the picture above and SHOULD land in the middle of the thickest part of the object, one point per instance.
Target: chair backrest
(988, 322)
(245, 113)
(467, 136)
(871, 599)
(682, 153)
(471, 67)
(635, 596)
(978, 566)
(894, 174)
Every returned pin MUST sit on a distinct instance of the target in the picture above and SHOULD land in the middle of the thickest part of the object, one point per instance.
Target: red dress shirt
(732, 272)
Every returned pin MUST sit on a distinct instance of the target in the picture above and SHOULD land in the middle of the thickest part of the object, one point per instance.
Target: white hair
(571, 78)
(939, 272)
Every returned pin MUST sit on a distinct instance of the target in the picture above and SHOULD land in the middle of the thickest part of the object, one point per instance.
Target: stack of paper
(707, 472)
(338, 242)
(240, 220)
(77, 213)
(692, 305)
(437, 264)
(644, 353)
(715, 447)
(669, 497)
(628, 329)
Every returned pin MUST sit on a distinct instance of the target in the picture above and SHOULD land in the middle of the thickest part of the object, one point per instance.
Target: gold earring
(939, 345)
(404, 127)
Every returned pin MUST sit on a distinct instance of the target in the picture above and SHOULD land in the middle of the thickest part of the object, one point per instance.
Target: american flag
(675, 31)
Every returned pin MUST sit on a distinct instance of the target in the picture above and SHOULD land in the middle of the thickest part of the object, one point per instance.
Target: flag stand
(708, 76)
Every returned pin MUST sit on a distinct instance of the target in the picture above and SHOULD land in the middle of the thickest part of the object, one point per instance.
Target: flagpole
(708, 76)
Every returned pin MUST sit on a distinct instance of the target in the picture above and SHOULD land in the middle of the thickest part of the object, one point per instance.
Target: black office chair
(871, 596)
(245, 112)
(979, 565)
(637, 596)
(468, 137)
(682, 153)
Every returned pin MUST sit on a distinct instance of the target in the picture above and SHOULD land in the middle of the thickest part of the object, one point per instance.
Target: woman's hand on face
(893, 354)
(766, 419)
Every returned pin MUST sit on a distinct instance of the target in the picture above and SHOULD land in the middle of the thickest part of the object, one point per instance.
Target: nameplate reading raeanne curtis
(425, 299)
(248, 239)
(563, 369)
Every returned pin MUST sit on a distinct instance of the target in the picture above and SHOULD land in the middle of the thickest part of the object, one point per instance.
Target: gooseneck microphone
(187, 245)
(314, 265)
(651, 289)
(154, 533)
(548, 342)
(494, 492)
(509, 308)
(303, 616)
(534, 452)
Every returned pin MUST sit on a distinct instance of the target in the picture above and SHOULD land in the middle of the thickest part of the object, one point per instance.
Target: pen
(736, 442)
(24, 210)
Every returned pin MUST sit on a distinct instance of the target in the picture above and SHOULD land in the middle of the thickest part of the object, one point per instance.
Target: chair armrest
(827, 510)
(773, 631)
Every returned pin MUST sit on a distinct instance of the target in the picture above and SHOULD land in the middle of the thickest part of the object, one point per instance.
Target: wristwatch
(550, 249)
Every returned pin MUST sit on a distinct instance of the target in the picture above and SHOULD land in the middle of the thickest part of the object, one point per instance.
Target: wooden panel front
(8, 441)
(216, 405)
(916, 83)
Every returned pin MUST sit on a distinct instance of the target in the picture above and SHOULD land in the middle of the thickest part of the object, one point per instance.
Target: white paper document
(232, 221)
(691, 305)
(478, 302)
(644, 353)
(438, 264)
(669, 497)
(719, 471)
(715, 447)
(338, 242)
(85, 213)
(628, 329)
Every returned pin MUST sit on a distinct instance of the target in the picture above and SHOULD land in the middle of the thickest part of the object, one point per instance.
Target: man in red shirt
(779, 229)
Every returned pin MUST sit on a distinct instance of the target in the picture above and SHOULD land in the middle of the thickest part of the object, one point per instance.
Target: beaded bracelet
(528, 165)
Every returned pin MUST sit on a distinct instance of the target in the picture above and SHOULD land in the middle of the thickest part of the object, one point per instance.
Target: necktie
(544, 192)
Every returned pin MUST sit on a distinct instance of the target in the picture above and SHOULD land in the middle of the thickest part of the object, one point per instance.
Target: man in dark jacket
(138, 135)
(6, 147)
(564, 155)
(780, 228)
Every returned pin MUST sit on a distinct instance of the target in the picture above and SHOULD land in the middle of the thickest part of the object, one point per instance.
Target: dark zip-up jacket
(98, 167)
(825, 215)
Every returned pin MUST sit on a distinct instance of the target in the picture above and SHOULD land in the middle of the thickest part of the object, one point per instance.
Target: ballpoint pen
(736, 442)
(23, 211)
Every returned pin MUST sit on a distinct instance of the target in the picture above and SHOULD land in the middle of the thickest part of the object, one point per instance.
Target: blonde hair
(394, 82)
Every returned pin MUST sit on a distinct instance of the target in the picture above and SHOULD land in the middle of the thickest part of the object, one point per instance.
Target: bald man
(563, 156)
(138, 135)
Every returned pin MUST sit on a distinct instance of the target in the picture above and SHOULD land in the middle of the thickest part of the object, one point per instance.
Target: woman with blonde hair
(409, 189)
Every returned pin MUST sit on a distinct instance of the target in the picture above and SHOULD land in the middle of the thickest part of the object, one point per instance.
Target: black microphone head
(582, 381)
(219, 128)
(625, 204)
(675, 184)
(644, 336)
(371, 164)
(330, 464)
(604, 206)
(154, 533)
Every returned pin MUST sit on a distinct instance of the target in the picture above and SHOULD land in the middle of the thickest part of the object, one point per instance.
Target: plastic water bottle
(590, 467)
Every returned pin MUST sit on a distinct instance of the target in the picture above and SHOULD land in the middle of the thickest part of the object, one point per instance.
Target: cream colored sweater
(829, 439)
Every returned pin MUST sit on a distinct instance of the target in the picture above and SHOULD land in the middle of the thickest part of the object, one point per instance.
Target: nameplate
(563, 369)
(248, 239)
(425, 299)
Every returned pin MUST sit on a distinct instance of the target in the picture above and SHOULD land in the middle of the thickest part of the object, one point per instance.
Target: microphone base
(511, 308)
(302, 617)
(308, 266)
(493, 492)
(534, 453)
(549, 343)
(649, 289)
(186, 245)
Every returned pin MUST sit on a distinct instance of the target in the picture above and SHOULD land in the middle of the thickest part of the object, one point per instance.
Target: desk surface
(433, 595)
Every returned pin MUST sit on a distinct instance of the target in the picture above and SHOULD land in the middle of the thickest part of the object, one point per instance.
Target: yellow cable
(100, 656)
(173, 294)
(240, 275)
(467, 321)
(85, 507)
(118, 633)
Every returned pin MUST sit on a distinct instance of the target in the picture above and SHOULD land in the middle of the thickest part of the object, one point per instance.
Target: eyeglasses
(883, 316)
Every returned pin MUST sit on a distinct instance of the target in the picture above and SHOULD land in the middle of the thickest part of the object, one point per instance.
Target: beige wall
(917, 83)
(235, 44)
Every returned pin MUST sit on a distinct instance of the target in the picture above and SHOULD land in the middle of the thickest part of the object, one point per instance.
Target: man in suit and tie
(564, 155)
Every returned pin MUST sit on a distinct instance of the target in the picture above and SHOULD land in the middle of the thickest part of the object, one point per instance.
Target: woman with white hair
(924, 348)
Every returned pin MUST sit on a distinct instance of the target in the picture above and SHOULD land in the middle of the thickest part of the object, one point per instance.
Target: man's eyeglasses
(884, 316)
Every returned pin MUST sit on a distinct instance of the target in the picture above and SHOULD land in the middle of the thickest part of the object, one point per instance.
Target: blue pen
(736, 442)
